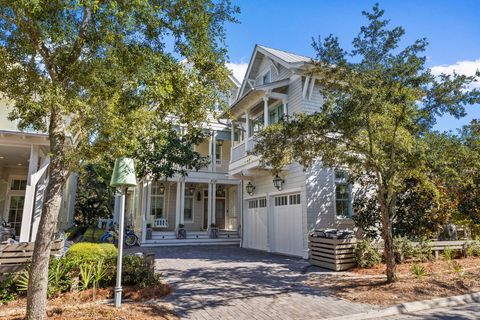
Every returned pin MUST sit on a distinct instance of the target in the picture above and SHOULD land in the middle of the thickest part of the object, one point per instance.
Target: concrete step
(190, 242)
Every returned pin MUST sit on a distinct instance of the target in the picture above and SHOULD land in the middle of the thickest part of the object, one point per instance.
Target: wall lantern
(220, 191)
(191, 189)
(123, 176)
(161, 188)
(219, 142)
(250, 188)
(199, 196)
(278, 182)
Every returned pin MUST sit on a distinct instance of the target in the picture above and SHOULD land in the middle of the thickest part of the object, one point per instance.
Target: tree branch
(77, 47)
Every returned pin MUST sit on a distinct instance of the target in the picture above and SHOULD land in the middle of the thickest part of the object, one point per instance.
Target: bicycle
(111, 236)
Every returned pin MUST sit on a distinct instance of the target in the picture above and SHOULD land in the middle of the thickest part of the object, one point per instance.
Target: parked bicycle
(111, 236)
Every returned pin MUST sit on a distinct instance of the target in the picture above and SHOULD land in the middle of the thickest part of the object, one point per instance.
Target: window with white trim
(256, 125)
(18, 184)
(267, 77)
(294, 199)
(262, 203)
(343, 198)
(188, 208)
(275, 114)
(253, 204)
(218, 150)
(157, 200)
(281, 201)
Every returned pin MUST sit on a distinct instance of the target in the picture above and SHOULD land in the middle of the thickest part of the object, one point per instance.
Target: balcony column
(285, 107)
(213, 199)
(247, 129)
(182, 202)
(232, 138)
(214, 151)
(178, 205)
(265, 111)
(210, 151)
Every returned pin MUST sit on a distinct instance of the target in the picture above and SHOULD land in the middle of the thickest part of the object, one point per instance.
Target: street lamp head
(123, 173)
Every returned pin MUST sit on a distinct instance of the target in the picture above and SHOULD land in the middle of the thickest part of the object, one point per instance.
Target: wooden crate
(333, 254)
(14, 257)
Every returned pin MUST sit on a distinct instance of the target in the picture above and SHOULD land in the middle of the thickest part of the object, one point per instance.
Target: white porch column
(209, 206)
(285, 107)
(247, 129)
(265, 111)
(232, 138)
(214, 199)
(214, 151)
(178, 204)
(182, 202)
(29, 195)
(144, 211)
(210, 152)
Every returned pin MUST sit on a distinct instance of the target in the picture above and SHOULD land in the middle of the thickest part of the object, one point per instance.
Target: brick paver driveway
(223, 282)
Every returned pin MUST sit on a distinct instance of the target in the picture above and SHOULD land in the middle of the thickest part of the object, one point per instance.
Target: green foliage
(404, 249)
(135, 272)
(447, 254)
(94, 195)
(7, 289)
(85, 251)
(473, 249)
(418, 270)
(380, 100)
(423, 250)
(366, 254)
(457, 268)
(93, 234)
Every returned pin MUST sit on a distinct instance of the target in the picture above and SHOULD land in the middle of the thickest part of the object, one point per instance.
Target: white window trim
(350, 197)
(185, 221)
(268, 70)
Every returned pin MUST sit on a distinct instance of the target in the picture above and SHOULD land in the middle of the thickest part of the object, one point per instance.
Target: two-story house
(279, 212)
(197, 201)
(24, 162)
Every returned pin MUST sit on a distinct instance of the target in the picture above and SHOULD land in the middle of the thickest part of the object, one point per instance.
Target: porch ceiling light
(161, 188)
(278, 182)
(250, 188)
(191, 189)
(220, 142)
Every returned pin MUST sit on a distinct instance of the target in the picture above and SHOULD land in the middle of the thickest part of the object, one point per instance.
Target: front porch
(195, 204)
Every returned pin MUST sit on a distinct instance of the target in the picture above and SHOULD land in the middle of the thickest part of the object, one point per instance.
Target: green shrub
(423, 250)
(366, 254)
(7, 289)
(403, 248)
(418, 270)
(473, 248)
(447, 254)
(93, 234)
(136, 272)
(86, 251)
(457, 268)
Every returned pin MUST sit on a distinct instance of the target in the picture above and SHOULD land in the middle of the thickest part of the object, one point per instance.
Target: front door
(220, 213)
(15, 212)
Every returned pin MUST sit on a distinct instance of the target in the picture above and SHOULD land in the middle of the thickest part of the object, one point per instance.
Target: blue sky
(451, 27)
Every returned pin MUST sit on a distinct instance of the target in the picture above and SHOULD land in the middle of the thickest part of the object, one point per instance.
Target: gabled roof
(288, 57)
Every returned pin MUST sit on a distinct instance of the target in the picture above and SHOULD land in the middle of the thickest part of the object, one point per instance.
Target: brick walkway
(224, 282)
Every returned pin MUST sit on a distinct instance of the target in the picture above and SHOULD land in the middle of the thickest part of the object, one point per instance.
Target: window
(157, 201)
(256, 125)
(18, 185)
(275, 114)
(262, 203)
(218, 150)
(267, 77)
(15, 212)
(294, 199)
(342, 195)
(281, 201)
(252, 204)
(188, 209)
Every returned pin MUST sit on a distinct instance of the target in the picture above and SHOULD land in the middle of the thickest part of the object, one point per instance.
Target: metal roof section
(286, 56)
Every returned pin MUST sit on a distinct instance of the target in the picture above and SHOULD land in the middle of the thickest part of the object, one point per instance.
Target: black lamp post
(278, 182)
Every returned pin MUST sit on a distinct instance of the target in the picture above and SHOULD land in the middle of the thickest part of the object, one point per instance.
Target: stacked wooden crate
(333, 254)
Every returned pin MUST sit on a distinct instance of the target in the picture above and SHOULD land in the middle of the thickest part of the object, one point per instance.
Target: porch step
(191, 242)
(195, 235)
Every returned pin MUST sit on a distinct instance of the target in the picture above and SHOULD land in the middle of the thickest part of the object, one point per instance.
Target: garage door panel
(255, 234)
(288, 227)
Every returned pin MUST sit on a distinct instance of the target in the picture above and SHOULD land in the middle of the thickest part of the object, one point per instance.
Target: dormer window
(267, 77)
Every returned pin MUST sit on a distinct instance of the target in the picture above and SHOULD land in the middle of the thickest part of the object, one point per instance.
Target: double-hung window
(157, 200)
(188, 208)
(275, 114)
(343, 195)
(256, 125)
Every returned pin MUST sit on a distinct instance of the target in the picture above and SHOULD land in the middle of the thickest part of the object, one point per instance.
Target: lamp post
(123, 176)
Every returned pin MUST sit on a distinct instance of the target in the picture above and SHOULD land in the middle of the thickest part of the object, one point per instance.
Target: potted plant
(181, 232)
(213, 231)
(148, 235)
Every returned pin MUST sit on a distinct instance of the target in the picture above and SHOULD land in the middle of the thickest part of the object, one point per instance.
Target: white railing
(238, 151)
(221, 165)
(160, 223)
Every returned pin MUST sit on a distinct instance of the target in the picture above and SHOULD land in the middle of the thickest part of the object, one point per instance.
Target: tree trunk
(387, 235)
(38, 280)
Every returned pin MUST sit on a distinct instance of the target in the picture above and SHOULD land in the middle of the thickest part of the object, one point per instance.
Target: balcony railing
(240, 151)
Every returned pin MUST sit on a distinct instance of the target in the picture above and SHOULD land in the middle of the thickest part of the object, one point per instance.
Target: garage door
(255, 224)
(288, 228)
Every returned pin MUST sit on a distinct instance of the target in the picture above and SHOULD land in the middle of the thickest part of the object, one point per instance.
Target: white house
(24, 164)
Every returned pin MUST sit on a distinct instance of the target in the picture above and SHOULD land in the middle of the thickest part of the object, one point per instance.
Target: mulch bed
(138, 303)
(369, 285)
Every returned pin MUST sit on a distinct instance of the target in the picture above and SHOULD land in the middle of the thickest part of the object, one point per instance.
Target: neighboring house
(279, 219)
(24, 164)
(198, 200)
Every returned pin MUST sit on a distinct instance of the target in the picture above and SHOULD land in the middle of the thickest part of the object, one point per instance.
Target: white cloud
(466, 67)
(238, 69)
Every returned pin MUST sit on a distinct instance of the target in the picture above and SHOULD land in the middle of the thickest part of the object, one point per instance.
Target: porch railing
(160, 223)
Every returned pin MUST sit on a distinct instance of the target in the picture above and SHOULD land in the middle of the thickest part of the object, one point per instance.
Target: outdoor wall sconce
(220, 191)
(220, 142)
(191, 189)
(161, 188)
(278, 182)
(199, 196)
(250, 188)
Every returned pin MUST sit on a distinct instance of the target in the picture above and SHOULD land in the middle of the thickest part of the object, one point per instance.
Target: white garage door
(255, 224)
(288, 227)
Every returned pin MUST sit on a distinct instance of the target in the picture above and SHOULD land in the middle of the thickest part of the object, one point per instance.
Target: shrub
(93, 234)
(473, 249)
(457, 268)
(86, 251)
(136, 272)
(403, 248)
(423, 250)
(366, 254)
(7, 289)
(447, 254)
(418, 270)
